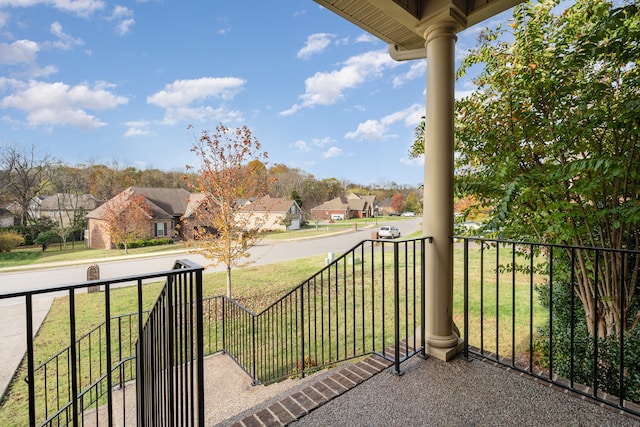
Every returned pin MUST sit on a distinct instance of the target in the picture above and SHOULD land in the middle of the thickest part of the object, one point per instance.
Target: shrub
(49, 236)
(10, 240)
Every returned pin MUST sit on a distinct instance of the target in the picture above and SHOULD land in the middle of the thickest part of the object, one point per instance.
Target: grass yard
(257, 287)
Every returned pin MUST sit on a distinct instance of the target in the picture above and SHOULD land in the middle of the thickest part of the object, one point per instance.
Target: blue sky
(103, 82)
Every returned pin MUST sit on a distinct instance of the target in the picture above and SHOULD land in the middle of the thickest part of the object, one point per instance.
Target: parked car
(408, 214)
(388, 232)
(394, 214)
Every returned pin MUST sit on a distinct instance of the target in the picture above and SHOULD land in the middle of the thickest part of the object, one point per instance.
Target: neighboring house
(272, 213)
(346, 207)
(266, 213)
(167, 206)
(34, 208)
(7, 219)
(62, 208)
(362, 206)
(384, 207)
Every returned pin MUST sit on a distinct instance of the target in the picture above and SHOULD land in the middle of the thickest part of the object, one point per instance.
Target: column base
(442, 348)
(445, 353)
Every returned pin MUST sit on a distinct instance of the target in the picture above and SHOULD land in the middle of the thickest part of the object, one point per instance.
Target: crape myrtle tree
(549, 141)
(127, 217)
(225, 228)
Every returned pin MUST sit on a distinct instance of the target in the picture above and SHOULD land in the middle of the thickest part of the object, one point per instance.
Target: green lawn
(257, 287)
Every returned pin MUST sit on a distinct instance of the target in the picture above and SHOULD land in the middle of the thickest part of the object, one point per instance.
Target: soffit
(401, 22)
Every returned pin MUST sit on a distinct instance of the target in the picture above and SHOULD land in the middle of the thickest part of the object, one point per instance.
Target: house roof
(351, 201)
(339, 202)
(165, 203)
(401, 23)
(70, 202)
(271, 205)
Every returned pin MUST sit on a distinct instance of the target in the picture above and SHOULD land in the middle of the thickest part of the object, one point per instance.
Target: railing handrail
(184, 264)
(548, 245)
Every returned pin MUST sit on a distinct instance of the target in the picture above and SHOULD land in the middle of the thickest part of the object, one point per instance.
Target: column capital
(447, 21)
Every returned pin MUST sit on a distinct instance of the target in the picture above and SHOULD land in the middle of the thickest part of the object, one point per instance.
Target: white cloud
(417, 69)
(182, 99)
(326, 88)
(60, 104)
(18, 52)
(332, 152)
(184, 92)
(137, 128)
(316, 44)
(174, 116)
(77, 7)
(366, 38)
(321, 142)
(302, 146)
(65, 41)
(417, 161)
(378, 129)
(123, 17)
(4, 18)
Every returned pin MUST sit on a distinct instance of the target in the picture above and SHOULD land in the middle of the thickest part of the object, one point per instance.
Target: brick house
(346, 207)
(167, 206)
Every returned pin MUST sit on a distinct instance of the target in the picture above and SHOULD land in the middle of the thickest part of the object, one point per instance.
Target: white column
(441, 341)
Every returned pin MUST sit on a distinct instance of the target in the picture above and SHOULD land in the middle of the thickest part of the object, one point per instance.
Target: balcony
(330, 346)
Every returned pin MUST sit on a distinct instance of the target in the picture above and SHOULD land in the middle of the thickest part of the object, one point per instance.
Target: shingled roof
(165, 203)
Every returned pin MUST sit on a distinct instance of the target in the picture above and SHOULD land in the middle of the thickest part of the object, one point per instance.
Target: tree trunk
(228, 281)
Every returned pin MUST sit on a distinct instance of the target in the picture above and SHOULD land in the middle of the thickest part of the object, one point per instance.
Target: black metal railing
(563, 314)
(367, 300)
(170, 353)
(79, 384)
(53, 376)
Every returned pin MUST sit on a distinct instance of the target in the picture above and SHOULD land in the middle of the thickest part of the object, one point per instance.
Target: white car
(388, 232)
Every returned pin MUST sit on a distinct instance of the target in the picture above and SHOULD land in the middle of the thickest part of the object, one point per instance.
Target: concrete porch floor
(435, 393)
(430, 393)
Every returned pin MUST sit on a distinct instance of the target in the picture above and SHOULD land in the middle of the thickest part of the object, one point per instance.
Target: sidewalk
(13, 330)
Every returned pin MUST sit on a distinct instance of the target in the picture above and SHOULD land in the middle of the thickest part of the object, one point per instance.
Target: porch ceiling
(401, 23)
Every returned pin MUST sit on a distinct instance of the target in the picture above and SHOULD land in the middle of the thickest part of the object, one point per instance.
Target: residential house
(346, 207)
(34, 208)
(62, 208)
(384, 207)
(273, 213)
(267, 214)
(7, 219)
(167, 206)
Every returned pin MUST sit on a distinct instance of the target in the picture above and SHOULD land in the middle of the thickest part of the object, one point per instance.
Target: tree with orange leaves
(223, 229)
(127, 218)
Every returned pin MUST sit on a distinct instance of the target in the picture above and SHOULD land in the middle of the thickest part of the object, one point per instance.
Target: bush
(10, 240)
(143, 243)
(49, 236)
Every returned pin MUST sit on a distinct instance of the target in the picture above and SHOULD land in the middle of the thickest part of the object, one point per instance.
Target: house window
(161, 229)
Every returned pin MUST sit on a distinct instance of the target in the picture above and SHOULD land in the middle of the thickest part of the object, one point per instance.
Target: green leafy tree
(224, 228)
(550, 140)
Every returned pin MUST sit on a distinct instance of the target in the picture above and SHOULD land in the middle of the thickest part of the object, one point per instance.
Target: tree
(550, 140)
(397, 203)
(23, 177)
(127, 218)
(226, 229)
(67, 183)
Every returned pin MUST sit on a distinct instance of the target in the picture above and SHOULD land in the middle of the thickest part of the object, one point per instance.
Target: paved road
(12, 311)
